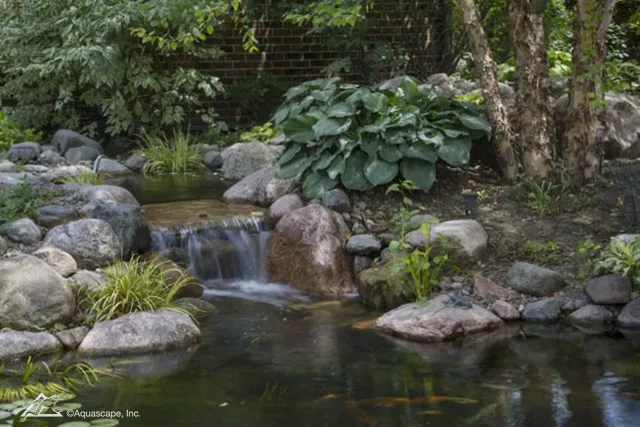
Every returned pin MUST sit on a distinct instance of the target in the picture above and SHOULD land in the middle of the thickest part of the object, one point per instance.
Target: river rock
(79, 154)
(23, 231)
(52, 215)
(91, 242)
(35, 168)
(467, 236)
(437, 321)
(534, 280)
(141, 332)
(32, 294)
(364, 244)
(336, 200)
(71, 338)
(442, 81)
(197, 307)
(610, 289)
(260, 188)
(212, 160)
(135, 162)
(416, 221)
(24, 152)
(65, 139)
(111, 167)
(8, 167)
(127, 221)
(591, 314)
(360, 263)
(630, 315)
(574, 302)
(18, 344)
(89, 279)
(505, 311)
(61, 172)
(51, 158)
(60, 261)
(546, 310)
(490, 291)
(244, 158)
(110, 194)
(380, 288)
(315, 238)
(281, 207)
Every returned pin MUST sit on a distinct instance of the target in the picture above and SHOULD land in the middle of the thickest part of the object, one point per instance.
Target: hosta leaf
(325, 160)
(419, 150)
(434, 139)
(295, 167)
(330, 127)
(318, 183)
(281, 115)
(375, 102)
(289, 153)
(321, 95)
(337, 167)
(341, 109)
(455, 133)
(370, 146)
(296, 91)
(306, 102)
(379, 172)
(353, 176)
(299, 128)
(357, 95)
(390, 153)
(422, 173)
(474, 122)
(455, 152)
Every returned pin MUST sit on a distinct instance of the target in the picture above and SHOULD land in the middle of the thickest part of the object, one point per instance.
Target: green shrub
(21, 200)
(134, 286)
(176, 155)
(262, 133)
(12, 133)
(622, 258)
(365, 137)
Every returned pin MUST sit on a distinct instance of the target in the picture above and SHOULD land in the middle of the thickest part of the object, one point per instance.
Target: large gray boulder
(618, 133)
(135, 162)
(24, 152)
(127, 221)
(32, 294)
(609, 289)
(91, 242)
(242, 159)
(437, 321)
(281, 207)
(60, 261)
(141, 332)
(65, 139)
(110, 194)
(466, 236)
(546, 310)
(111, 167)
(630, 315)
(534, 280)
(18, 344)
(315, 238)
(260, 188)
(212, 160)
(23, 231)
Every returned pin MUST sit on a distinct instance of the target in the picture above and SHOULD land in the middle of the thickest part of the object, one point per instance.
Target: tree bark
(535, 123)
(494, 107)
(582, 152)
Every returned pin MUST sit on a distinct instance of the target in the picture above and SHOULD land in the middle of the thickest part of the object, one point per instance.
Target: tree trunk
(535, 123)
(582, 152)
(486, 68)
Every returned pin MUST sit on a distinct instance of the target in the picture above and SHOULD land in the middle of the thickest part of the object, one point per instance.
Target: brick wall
(289, 55)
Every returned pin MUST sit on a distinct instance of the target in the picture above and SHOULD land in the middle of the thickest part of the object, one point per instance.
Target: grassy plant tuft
(175, 155)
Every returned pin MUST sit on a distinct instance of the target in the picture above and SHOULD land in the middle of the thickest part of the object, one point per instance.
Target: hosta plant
(363, 137)
(622, 257)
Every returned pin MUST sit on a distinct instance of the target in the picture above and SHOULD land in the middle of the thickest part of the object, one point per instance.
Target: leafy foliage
(263, 133)
(364, 137)
(134, 286)
(12, 133)
(540, 195)
(588, 252)
(403, 217)
(164, 155)
(66, 62)
(622, 258)
(21, 200)
(83, 177)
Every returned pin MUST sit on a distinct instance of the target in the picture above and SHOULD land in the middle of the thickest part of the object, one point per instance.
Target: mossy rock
(197, 307)
(381, 288)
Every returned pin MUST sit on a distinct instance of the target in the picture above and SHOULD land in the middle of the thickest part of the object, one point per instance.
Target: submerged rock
(466, 236)
(17, 344)
(32, 294)
(260, 188)
(437, 321)
(533, 280)
(381, 288)
(546, 310)
(141, 332)
(308, 251)
(242, 159)
(197, 307)
(609, 289)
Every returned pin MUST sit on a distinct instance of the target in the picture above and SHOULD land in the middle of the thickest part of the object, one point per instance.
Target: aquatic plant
(134, 286)
(170, 155)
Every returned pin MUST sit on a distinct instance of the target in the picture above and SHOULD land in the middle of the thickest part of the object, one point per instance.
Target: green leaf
(325, 160)
(289, 153)
(379, 172)
(316, 184)
(455, 152)
(331, 127)
(295, 167)
(390, 153)
(299, 128)
(419, 150)
(474, 122)
(296, 91)
(281, 115)
(341, 109)
(337, 167)
(375, 102)
(353, 176)
(422, 173)
(370, 146)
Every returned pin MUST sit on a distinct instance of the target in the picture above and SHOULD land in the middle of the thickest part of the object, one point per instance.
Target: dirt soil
(517, 232)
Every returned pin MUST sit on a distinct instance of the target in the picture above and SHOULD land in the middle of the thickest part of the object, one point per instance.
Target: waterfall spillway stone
(222, 250)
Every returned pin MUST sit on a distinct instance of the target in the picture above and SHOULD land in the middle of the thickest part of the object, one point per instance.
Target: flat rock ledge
(436, 321)
(17, 344)
(141, 332)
